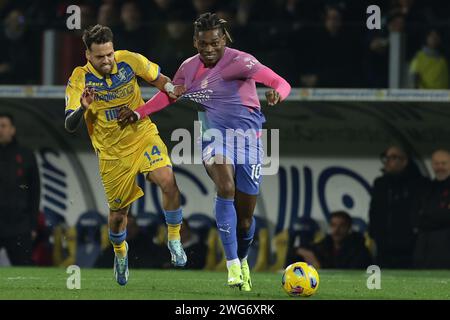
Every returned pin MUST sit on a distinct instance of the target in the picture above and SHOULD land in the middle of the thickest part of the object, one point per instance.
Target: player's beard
(106, 69)
(103, 69)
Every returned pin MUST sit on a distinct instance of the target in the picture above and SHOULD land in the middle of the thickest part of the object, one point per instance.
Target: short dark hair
(343, 215)
(400, 148)
(97, 34)
(394, 14)
(431, 29)
(9, 116)
(210, 21)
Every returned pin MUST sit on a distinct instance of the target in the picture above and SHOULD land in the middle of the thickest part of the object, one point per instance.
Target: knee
(226, 189)
(117, 217)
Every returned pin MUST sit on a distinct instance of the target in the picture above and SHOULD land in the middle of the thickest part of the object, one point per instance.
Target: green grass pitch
(50, 283)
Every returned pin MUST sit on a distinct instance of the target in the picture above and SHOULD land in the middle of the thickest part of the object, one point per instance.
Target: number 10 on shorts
(256, 172)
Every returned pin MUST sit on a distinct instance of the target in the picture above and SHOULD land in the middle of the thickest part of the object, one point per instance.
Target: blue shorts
(246, 160)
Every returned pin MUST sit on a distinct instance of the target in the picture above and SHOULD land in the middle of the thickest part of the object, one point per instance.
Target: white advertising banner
(303, 187)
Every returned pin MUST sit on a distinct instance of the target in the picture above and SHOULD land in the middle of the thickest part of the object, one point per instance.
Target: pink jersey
(227, 91)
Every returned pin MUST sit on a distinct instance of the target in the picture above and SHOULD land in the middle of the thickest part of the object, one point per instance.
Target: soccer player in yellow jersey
(96, 92)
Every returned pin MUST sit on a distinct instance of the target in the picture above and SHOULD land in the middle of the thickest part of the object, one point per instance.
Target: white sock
(234, 261)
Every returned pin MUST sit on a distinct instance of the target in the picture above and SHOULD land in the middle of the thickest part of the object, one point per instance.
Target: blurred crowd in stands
(408, 224)
(312, 43)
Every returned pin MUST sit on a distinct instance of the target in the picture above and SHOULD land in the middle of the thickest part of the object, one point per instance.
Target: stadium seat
(205, 227)
(89, 238)
(201, 224)
(258, 256)
(57, 227)
(359, 225)
(153, 224)
(105, 242)
(214, 249)
(53, 219)
(280, 243)
(304, 231)
(370, 244)
(222, 264)
(69, 245)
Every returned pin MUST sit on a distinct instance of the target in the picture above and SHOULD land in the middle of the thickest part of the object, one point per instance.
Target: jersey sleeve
(243, 66)
(144, 68)
(270, 79)
(161, 100)
(74, 90)
(178, 78)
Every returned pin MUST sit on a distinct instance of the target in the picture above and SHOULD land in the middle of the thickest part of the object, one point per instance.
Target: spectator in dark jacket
(175, 43)
(433, 220)
(19, 57)
(20, 190)
(391, 209)
(341, 249)
(130, 35)
(331, 55)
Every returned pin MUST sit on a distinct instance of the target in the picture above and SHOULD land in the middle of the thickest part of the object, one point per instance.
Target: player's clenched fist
(126, 116)
(87, 97)
(273, 97)
(178, 91)
(174, 92)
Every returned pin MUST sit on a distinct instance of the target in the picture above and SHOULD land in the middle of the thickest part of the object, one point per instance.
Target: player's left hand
(273, 97)
(177, 92)
(126, 116)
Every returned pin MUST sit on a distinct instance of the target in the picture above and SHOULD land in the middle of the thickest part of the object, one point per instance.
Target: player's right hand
(87, 97)
(126, 116)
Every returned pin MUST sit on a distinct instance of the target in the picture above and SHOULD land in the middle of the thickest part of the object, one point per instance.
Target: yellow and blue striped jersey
(113, 91)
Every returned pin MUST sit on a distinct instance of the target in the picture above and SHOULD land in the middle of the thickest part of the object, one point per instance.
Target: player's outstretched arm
(164, 84)
(168, 93)
(73, 119)
(280, 87)
(246, 66)
(158, 102)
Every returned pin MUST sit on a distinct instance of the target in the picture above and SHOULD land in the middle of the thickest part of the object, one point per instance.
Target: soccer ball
(300, 280)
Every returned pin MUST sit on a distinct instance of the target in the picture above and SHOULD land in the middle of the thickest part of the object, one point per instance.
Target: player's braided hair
(210, 21)
(97, 34)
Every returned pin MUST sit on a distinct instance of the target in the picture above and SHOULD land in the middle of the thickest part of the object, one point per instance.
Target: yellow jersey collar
(114, 69)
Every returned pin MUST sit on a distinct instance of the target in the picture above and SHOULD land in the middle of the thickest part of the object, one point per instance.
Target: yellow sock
(120, 249)
(173, 231)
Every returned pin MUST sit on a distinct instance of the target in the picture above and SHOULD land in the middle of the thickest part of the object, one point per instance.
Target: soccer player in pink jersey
(222, 80)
